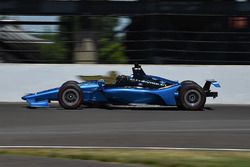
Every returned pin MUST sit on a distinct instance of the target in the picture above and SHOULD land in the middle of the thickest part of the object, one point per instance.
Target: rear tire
(192, 97)
(188, 82)
(70, 95)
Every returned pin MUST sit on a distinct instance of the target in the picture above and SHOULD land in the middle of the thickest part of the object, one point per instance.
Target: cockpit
(139, 79)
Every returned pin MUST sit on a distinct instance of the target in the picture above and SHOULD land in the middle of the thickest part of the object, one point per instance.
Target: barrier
(20, 79)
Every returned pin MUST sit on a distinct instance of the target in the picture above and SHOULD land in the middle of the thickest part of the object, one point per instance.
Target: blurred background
(125, 31)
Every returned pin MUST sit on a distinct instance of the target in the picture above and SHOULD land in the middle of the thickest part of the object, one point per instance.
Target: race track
(219, 126)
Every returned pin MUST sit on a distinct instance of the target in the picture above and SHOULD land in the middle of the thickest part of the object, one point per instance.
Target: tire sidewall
(70, 86)
(192, 88)
(183, 83)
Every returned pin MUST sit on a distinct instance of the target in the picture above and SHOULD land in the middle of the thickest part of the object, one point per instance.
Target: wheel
(192, 97)
(186, 82)
(70, 95)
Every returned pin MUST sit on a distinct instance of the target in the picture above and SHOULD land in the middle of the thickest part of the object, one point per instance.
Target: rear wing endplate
(207, 86)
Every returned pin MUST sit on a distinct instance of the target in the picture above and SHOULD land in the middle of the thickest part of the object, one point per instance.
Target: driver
(139, 78)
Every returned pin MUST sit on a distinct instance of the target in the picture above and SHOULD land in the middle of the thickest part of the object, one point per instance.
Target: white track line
(139, 148)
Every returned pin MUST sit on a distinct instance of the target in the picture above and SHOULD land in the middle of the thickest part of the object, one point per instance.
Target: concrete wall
(19, 79)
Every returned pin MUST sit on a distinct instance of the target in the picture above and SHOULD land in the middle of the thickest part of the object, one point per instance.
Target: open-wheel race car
(138, 89)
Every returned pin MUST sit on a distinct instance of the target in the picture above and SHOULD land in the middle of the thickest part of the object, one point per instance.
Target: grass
(153, 158)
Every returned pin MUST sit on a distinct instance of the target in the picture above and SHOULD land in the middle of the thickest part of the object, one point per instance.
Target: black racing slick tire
(188, 82)
(69, 82)
(192, 97)
(70, 95)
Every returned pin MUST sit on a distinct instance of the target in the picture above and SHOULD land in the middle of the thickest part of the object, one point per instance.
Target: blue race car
(137, 89)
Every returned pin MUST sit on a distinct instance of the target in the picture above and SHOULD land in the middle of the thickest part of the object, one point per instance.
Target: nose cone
(27, 96)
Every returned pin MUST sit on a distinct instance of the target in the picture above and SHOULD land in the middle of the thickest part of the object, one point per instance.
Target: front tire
(192, 97)
(70, 96)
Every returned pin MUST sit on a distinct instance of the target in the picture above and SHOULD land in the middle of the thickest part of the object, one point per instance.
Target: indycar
(137, 89)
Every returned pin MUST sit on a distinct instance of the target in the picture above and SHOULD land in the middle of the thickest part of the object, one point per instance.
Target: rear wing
(207, 86)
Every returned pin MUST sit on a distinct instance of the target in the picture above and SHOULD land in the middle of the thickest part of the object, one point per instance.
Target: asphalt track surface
(219, 126)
